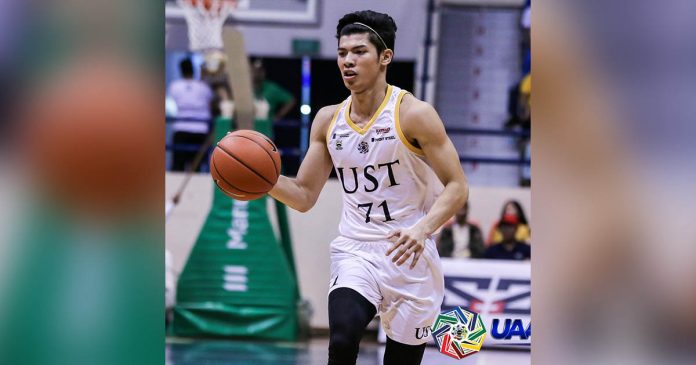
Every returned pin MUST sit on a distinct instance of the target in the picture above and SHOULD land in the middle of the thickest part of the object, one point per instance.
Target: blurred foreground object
(86, 249)
(614, 249)
(87, 137)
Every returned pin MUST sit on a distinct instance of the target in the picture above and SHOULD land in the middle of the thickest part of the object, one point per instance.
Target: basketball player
(392, 155)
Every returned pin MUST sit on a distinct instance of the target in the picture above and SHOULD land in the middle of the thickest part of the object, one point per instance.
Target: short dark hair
(186, 67)
(383, 24)
(518, 207)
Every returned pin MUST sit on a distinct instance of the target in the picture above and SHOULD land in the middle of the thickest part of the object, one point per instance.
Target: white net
(205, 19)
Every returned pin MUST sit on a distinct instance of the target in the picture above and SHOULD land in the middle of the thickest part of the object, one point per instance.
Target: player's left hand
(409, 241)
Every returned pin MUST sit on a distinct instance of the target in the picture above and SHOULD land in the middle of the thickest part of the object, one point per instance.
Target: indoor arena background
(468, 60)
(85, 149)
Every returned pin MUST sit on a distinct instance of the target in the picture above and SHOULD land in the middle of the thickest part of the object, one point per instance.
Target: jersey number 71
(369, 209)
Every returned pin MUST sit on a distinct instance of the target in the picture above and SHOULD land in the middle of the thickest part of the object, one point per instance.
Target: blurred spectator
(460, 237)
(280, 101)
(224, 105)
(193, 99)
(519, 97)
(214, 73)
(525, 116)
(524, 105)
(520, 107)
(512, 212)
(519, 104)
(510, 248)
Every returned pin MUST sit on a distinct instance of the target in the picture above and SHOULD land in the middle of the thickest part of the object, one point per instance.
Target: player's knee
(349, 313)
(344, 342)
(397, 353)
(343, 348)
(344, 336)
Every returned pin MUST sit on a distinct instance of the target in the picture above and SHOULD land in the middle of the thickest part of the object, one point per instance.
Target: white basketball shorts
(407, 300)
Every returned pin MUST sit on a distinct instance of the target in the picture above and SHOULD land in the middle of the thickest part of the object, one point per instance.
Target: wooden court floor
(314, 352)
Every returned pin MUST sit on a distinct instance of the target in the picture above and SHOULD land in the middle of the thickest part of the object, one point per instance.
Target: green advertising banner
(239, 281)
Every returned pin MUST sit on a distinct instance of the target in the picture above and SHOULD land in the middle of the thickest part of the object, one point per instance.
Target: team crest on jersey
(339, 144)
(363, 147)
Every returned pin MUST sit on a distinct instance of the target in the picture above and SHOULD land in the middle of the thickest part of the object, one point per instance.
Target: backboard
(261, 11)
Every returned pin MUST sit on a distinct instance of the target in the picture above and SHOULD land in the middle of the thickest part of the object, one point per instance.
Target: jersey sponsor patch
(385, 138)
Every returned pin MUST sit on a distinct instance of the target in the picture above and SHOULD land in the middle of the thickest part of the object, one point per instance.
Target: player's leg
(349, 314)
(199, 139)
(411, 302)
(397, 353)
(179, 157)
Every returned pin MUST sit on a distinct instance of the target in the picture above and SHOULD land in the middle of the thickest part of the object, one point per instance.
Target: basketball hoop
(205, 19)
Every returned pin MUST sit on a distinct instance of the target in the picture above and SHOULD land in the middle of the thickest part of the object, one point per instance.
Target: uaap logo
(505, 300)
(511, 329)
(363, 147)
(339, 144)
(459, 332)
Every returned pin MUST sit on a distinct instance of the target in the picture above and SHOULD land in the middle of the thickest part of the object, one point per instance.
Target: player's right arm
(301, 193)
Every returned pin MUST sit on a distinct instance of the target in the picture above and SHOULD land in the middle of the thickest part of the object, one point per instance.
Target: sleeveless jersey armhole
(397, 122)
(333, 122)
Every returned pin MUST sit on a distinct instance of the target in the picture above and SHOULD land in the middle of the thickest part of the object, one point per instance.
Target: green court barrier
(239, 281)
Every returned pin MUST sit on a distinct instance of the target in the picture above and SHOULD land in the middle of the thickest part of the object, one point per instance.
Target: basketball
(245, 165)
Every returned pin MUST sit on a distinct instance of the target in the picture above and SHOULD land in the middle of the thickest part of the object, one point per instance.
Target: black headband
(373, 31)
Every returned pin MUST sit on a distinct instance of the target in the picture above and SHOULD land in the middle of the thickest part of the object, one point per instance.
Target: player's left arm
(423, 127)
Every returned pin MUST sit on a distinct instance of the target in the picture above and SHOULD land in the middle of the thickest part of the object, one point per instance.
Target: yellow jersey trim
(387, 96)
(333, 122)
(397, 123)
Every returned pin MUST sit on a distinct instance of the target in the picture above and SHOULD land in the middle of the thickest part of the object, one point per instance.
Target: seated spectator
(460, 237)
(512, 210)
(509, 248)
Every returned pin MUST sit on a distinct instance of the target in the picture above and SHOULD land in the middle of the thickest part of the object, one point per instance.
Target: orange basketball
(245, 165)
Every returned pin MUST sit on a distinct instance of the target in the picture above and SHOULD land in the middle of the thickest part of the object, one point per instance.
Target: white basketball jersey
(387, 183)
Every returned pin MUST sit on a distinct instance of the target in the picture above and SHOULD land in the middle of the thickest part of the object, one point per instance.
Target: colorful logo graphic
(459, 332)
